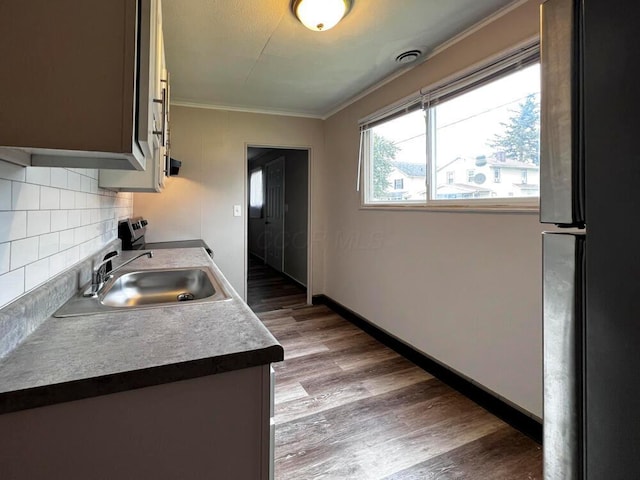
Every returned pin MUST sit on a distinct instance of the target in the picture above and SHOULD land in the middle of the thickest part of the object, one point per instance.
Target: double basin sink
(148, 289)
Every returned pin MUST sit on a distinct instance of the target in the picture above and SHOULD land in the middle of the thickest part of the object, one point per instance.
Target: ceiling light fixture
(320, 15)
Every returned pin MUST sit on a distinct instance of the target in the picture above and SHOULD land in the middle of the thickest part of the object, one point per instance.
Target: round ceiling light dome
(320, 15)
(409, 56)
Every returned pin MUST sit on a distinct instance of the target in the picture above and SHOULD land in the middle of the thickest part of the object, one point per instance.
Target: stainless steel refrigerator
(590, 184)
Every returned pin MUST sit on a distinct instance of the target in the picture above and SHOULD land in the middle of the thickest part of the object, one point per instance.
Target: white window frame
(476, 76)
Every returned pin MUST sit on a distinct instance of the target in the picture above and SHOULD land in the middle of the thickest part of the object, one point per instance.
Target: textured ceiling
(254, 54)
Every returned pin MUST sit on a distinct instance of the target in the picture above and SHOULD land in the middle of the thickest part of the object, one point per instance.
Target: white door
(274, 217)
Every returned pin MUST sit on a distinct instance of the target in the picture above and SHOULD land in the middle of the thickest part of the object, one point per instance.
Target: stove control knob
(144, 223)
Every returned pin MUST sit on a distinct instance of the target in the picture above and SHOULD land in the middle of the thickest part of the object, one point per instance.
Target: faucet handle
(109, 265)
(112, 254)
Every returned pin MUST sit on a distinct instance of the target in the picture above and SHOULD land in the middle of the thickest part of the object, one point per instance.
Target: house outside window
(398, 184)
(482, 127)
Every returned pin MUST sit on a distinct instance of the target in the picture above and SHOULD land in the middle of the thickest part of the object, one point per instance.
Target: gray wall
(296, 211)
(212, 145)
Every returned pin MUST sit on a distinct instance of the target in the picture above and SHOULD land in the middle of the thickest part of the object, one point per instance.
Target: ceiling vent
(409, 56)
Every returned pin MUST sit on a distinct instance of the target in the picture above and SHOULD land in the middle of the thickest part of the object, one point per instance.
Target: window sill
(495, 208)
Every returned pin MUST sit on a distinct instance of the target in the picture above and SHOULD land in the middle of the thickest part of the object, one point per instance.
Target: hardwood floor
(347, 407)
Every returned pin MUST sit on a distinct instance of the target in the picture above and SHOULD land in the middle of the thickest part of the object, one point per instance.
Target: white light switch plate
(237, 210)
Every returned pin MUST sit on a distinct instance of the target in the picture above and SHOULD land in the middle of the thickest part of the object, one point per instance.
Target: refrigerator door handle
(561, 190)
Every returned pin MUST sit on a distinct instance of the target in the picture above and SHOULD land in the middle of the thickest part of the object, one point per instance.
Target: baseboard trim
(489, 401)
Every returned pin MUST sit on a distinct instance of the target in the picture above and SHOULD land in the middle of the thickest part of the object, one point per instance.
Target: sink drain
(185, 297)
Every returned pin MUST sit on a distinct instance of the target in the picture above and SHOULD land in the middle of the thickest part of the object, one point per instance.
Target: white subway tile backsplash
(59, 220)
(5, 252)
(73, 181)
(59, 178)
(38, 222)
(51, 218)
(57, 263)
(72, 256)
(67, 199)
(81, 200)
(11, 171)
(13, 225)
(85, 184)
(11, 286)
(85, 217)
(66, 239)
(39, 175)
(87, 247)
(24, 251)
(49, 244)
(93, 201)
(36, 273)
(79, 235)
(74, 219)
(49, 198)
(25, 196)
(5, 194)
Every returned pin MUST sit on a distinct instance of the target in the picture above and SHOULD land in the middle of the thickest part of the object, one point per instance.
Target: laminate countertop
(72, 358)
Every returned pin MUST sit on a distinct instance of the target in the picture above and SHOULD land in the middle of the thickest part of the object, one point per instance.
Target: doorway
(278, 210)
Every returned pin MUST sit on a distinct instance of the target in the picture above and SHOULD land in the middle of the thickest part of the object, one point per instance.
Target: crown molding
(231, 108)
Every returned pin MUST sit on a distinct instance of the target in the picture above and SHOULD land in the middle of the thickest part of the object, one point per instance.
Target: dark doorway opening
(278, 210)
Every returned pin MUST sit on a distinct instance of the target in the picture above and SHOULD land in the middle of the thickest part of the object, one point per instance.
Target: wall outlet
(237, 210)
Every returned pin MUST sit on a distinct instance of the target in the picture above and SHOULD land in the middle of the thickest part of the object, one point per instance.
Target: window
(256, 194)
(450, 177)
(399, 146)
(482, 127)
(398, 184)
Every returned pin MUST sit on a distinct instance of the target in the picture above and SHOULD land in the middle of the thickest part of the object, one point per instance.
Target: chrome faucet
(101, 274)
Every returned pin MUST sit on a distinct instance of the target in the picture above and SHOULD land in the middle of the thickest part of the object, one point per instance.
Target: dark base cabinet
(217, 426)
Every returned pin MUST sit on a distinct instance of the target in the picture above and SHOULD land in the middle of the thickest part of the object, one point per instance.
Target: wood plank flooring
(347, 407)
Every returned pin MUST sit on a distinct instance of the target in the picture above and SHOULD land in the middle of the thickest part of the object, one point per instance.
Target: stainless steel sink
(158, 286)
(147, 289)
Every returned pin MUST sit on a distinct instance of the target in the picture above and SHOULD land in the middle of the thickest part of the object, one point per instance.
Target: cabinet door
(147, 71)
(156, 110)
(68, 87)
